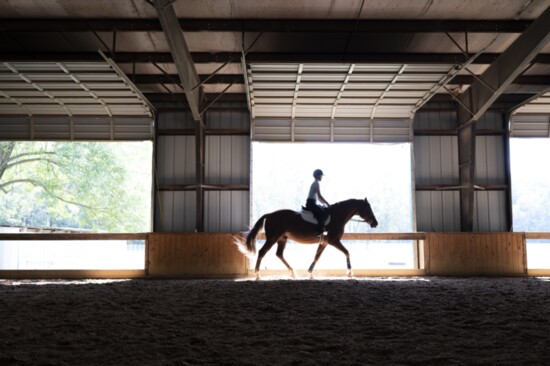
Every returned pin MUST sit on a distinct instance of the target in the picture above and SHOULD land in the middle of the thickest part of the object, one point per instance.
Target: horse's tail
(251, 236)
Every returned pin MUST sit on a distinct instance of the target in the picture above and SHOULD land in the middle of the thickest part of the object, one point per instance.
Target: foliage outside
(95, 186)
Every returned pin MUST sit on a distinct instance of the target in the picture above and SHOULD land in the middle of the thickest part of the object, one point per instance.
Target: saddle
(308, 216)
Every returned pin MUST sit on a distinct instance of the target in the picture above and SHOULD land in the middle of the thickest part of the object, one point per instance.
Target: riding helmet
(317, 172)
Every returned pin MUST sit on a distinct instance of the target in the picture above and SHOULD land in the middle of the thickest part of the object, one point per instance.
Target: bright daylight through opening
(282, 174)
(530, 196)
(89, 187)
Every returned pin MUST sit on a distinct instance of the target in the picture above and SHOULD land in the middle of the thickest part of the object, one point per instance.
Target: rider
(311, 204)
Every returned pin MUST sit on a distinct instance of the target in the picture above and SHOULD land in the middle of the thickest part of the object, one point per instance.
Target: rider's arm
(321, 198)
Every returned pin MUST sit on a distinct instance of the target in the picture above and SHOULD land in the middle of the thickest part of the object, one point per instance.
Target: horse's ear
(366, 200)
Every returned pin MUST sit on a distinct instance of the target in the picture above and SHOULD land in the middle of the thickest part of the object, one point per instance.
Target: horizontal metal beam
(171, 98)
(507, 100)
(239, 79)
(206, 187)
(454, 132)
(265, 25)
(174, 78)
(263, 57)
(456, 187)
(207, 131)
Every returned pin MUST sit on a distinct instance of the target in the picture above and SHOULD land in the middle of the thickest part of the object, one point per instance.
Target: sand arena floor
(364, 321)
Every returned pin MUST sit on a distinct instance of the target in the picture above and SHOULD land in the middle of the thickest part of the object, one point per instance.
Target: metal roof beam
(478, 98)
(239, 79)
(266, 25)
(181, 55)
(264, 57)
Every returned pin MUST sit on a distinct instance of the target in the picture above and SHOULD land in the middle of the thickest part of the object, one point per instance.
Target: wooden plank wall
(475, 254)
(194, 255)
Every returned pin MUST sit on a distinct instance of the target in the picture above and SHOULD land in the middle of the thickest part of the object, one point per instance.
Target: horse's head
(365, 211)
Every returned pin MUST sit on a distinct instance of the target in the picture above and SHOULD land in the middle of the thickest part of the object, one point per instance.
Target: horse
(282, 225)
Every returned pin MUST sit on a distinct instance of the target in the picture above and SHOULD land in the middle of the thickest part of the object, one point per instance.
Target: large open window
(93, 187)
(531, 195)
(282, 174)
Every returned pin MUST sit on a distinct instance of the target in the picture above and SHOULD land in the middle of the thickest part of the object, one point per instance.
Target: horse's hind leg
(320, 250)
(281, 245)
(338, 245)
(261, 253)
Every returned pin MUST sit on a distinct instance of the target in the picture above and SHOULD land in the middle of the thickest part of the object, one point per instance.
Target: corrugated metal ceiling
(224, 28)
(532, 119)
(341, 90)
(68, 89)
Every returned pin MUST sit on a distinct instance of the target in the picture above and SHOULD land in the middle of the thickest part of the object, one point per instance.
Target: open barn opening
(75, 187)
(530, 196)
(281, 177)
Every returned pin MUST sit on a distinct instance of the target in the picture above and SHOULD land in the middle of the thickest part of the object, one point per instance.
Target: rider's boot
(320, 227)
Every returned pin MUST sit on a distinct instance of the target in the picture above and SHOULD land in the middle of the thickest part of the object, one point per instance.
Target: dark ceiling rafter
(264, 57)
(265, 25)
(239, 79)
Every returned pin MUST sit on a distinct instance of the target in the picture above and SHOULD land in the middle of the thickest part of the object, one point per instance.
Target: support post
(199, 181)
(193, 92)
(478, 98)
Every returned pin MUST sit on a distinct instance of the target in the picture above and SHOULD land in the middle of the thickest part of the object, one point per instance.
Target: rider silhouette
(319, 212)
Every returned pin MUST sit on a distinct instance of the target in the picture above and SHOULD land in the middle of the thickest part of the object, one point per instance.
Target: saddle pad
(309, 217)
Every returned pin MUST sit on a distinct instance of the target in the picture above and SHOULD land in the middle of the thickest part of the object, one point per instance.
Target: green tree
(86, 185)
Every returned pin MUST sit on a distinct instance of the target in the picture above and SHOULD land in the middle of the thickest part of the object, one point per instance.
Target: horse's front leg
(338, 245)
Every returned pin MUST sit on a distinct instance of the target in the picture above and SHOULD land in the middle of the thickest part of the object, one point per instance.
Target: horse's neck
(345, 209)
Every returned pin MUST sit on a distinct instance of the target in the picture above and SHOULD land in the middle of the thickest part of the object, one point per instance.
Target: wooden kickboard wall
(475, 254)
(194, 255)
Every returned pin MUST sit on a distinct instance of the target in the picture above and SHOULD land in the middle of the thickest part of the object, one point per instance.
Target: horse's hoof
(311, 276)
(258, 278)
(293, 274)
(350, 274)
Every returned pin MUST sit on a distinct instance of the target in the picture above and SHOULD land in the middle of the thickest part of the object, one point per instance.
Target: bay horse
(282, 225)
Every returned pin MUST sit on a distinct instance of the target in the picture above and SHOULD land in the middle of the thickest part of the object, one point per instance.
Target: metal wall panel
(352, 130)
(271, 129)
(532, 119)
(332, 130)
(228, 115)
(436, 160)
(227, 163)
(490, 211)
(175, 120)
(175, 160)
(98, 128)
(490, 163)
(227, 160)
(436, 163)
(530, 125)
(391, 130)
(175, 211)
(491, 120)
(437, 211)
(436, 116)
(226, 211)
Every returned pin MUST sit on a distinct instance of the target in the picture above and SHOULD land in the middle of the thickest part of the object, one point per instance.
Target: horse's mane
(345, 201)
